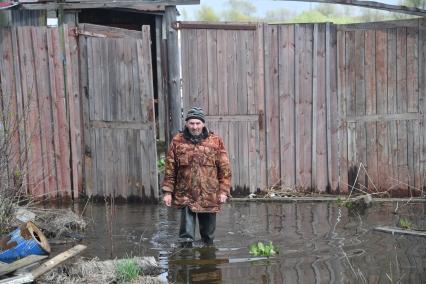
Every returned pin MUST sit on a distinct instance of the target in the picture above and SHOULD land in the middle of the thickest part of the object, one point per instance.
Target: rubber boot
(207, 223)
(187, 227)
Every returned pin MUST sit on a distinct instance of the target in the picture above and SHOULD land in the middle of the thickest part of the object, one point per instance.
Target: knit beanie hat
(197, 113)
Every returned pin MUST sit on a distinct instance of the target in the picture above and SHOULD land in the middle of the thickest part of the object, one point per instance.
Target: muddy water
(318, 243)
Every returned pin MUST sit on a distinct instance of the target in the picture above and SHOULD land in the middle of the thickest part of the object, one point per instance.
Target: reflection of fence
(39, 96)
(303, 105)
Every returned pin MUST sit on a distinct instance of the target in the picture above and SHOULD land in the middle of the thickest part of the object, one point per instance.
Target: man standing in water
(197, 177)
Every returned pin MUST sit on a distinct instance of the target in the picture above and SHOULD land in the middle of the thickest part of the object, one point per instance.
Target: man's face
(195, 126)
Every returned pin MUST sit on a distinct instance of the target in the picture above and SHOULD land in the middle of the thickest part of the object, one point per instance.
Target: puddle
(317, 242)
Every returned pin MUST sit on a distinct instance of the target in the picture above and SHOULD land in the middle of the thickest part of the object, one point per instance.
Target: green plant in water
(341, 202)
(262, 249)
(161, 163)
(127, 270)
(405, 224)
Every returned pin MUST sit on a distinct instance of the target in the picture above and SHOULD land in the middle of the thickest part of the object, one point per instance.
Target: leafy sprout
(262, 249)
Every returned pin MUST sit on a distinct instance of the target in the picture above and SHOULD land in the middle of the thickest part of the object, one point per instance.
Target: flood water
(317, 242)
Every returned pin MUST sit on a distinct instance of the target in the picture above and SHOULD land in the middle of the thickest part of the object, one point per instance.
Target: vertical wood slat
(287, 106)
(371, 108)
(10, 91)
(342, 125)
(360, 104)
(148, 102)
(29, 95)
(260, 93)
(72, 119)
(60, 122)
(272, 106)
(20, 108)
(212, 74)
(320, 167)
(382, 103)
(304, 105)
(420, 178)
(242, 97)
(252, 129)
(402, 107)
(40, 60)
(332, 102)
(392, 103)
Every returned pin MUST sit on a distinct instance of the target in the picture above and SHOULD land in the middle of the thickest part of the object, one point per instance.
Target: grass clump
(405, 224)
(262, 249)
(127, 270)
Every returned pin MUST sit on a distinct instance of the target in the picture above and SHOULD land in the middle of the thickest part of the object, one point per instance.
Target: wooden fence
(312, 105)
(40, 109)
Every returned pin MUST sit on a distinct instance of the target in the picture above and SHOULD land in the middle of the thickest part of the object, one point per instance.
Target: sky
(262, 6)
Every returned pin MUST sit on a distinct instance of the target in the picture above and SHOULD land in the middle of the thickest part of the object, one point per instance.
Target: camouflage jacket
(195, 174)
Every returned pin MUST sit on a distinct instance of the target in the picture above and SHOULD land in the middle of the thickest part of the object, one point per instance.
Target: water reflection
(318, 243)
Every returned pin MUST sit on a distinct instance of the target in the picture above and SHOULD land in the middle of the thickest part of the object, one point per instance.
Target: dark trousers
(206, 222)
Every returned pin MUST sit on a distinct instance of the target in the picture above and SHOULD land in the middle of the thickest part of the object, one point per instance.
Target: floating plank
(394, 230)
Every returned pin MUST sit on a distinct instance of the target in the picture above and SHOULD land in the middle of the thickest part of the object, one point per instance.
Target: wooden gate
(381, 69)
(220, 67)
(118, 112)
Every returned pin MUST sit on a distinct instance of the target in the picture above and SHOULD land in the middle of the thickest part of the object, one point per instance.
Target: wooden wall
(381, 66)
(317, 106)
(40, 109)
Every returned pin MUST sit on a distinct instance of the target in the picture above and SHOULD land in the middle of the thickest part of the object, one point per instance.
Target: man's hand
(222, 198)
(167, 200)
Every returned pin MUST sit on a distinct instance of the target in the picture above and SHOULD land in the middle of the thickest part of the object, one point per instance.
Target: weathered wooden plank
(222, 72)
(381, 25)
(76, 100)
(242, 98)
(73, 118)
(85, 70)
(417, 153)
(232, 69)
(333, 107)
(342, 125)
(371, 108)
(192, 65)
(350, 73)
(392, 76)
(422, 101)
(212, 74)
(149, 108)
(287, 105)
(63, 128)
(272, 110)
(360, 101)
(21, 111)
(40, 60)
(260, 95)
(30, 105)
(401, 70)
(410, 155)
(382, 105)
(352, 156)
(252, 127)
(201, 98)
(161, 97)
(412, 70)
(383, 117)
(320, 95)
(304, 37)
(402, 106)
(107, 31)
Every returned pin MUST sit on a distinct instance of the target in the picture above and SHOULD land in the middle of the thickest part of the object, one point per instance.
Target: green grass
(262, 249)
(127, 270)
(405, 224)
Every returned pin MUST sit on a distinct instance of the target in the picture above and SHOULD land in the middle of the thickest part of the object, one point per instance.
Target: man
(197, 177)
